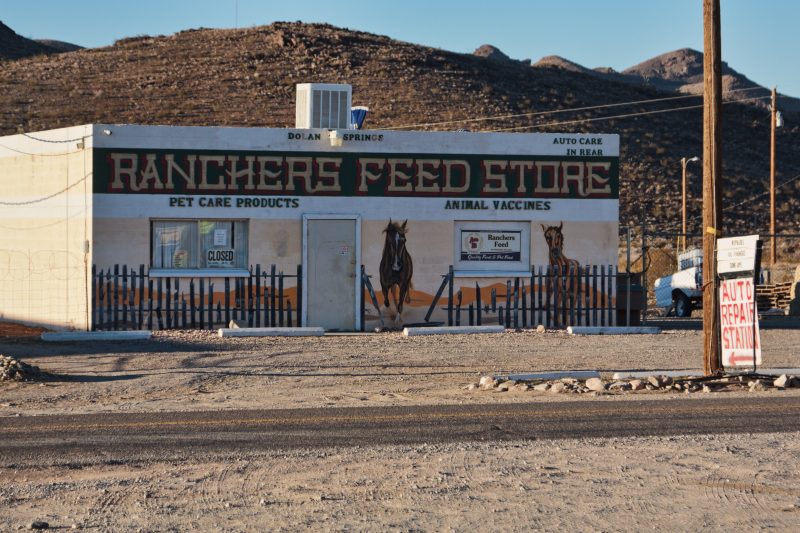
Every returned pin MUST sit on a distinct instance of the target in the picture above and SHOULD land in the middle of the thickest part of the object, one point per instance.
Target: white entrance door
(331, 257)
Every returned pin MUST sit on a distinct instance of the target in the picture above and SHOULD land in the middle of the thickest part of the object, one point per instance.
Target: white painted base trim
(632, 330)
(547, 376)
(81, 336)
(452, 330)
(699, 373)
(271, 332)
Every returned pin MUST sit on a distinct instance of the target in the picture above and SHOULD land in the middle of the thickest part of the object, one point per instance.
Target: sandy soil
(678, 483)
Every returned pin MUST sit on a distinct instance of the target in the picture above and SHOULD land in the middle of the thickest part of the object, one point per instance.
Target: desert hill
(247, 77)
(13, 46)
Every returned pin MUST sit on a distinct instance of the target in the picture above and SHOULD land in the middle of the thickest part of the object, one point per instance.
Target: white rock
(487, 382)
(637, 384)
(558, 387)
(540, 329)
(783, 382)
(541, 387)
(757, 386)
(620, 385)
(595, 384)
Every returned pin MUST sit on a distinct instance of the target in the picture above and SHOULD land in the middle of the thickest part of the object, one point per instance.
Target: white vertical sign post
(738, 261)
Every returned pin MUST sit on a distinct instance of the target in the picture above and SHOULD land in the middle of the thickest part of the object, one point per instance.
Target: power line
(756, 197)
(627, 115)
(568, 110)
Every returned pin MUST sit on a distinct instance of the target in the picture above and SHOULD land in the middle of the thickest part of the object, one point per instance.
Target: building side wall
(45, 217)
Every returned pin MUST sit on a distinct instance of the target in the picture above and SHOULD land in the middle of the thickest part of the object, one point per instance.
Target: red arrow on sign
(733, 359)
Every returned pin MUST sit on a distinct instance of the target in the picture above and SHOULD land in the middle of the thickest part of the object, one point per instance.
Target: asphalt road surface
(147, 435)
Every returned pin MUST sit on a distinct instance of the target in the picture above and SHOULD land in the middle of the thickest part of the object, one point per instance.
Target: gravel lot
(679, 483)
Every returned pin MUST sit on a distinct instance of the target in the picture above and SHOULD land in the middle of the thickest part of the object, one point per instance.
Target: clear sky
(760, 38)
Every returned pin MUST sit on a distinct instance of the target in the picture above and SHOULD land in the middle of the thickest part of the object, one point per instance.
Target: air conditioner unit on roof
(323, 105)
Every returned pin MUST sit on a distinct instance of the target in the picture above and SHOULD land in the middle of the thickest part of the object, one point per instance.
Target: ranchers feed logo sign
(482, 245)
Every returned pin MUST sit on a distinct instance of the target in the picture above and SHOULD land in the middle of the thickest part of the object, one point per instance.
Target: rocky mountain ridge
(247, 77)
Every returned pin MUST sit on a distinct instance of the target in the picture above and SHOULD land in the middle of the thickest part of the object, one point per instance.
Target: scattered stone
(757, 385)
(522, 387)
(784, 381)
(487, 382)
(236, 324)
(506, 385)
(659, 382)
(620, 386)
(540, 329)
(637, 384)
(569, 381)
(558, 387)
(595, 384)
(38, 524)
(706, 388)
(472, 386)
(541, 387)
(15, 370)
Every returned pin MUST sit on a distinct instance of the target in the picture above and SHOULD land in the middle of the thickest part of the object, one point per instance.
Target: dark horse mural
(396, 266)
(561, 266)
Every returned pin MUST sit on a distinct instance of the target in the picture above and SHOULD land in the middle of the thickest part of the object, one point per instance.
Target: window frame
(232, 272)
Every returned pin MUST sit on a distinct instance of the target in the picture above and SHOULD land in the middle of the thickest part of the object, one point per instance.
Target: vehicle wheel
(683, 307)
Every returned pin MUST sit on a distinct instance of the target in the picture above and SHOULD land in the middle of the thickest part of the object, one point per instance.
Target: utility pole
(712, 175)
(773, 245)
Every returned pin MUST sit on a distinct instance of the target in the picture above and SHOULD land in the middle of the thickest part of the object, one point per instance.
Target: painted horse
(561, 266)
(396, 266)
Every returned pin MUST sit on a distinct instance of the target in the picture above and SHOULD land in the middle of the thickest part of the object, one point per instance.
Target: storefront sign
(483, 245)
(739, 335)
(491, 176)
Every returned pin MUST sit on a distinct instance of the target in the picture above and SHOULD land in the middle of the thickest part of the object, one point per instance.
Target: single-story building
(207, 203)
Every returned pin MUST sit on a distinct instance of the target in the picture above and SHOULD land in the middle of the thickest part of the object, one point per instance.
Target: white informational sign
(739, 335)
(220, 237)
(488, 245)
(736, 254)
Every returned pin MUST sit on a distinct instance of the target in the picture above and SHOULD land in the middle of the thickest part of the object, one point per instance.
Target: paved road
(147, 435)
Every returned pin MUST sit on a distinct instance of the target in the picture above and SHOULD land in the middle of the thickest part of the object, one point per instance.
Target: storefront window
(199, 244)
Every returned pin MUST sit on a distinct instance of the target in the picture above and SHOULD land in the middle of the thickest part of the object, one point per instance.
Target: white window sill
(199, 273)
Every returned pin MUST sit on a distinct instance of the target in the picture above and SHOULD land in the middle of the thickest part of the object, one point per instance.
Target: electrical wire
(568, 110)
(39, 155)
(756, 197)
(29, 136)
(627, 115)
(44, 198)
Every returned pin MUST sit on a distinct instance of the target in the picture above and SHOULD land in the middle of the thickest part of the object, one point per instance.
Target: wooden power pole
(773, 244)
(712, 175)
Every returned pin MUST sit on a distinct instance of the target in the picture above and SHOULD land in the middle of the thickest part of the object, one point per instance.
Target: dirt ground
(623, 484)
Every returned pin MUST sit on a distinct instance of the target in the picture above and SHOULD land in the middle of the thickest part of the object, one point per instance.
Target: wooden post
(712, 177)
(773, 243)
(683, 204)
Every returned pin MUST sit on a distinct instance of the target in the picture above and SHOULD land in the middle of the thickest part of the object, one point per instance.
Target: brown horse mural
(396, 266)
(559, 263)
